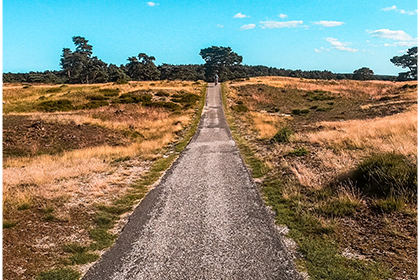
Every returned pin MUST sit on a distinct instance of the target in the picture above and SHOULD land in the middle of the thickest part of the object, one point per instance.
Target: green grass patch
(9, 224)
(299, 152)
(59, 274)
(163, 104)
(338, 208)
(389, 205)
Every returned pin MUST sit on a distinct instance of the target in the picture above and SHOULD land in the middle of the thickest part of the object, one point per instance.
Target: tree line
(79, 66)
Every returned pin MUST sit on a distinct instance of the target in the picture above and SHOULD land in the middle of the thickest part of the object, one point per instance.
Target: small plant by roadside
(385, 175)
(283, 135)
(299, 152)
(59, 274)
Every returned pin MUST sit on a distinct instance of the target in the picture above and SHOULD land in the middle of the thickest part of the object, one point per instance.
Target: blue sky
(334, 35)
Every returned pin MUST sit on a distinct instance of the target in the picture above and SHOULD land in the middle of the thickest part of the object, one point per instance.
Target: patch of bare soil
(26, 136)
(387, 238)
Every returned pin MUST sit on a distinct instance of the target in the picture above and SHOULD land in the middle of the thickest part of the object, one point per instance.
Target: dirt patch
(28, 136)
(387, 238)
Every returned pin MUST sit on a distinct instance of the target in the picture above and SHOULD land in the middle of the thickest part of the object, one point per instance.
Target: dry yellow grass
(265, 125)
(396, 133)
(351, 88)
(52, 176)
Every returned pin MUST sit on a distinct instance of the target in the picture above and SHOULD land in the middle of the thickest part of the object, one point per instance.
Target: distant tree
(363, 73)
(408, 60)
(142, 68)
(116, 74)
(79, 64)
(219, 59)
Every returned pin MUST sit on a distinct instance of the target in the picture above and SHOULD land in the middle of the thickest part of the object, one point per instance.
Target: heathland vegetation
(337, 163)
(77, 159)
(335, 157)
(79, 66)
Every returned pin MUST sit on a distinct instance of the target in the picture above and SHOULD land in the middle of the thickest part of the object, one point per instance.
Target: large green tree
(142, 68)
(363, 73)
(80, 66)
(219, 60)
(408, 60)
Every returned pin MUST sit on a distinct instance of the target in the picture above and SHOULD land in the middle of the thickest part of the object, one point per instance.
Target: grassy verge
(108, 215)
(311, 223)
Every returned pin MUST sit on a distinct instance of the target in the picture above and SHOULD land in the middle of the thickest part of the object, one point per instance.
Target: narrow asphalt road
(205, 220)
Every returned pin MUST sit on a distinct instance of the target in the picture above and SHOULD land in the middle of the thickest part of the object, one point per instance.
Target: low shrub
(162, 93)
(385, 175)
(240, 108)
(93, 104)
(162, 104)
(282, 136)
(55, 105)
(319, 95)
(135, 97)
(110, 92)
(338, 208)
(96, 97)
(54, 89)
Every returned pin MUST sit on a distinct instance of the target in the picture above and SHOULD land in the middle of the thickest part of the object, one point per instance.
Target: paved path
(205, 220)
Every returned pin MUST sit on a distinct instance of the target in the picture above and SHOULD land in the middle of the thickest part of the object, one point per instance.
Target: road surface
(205, 220)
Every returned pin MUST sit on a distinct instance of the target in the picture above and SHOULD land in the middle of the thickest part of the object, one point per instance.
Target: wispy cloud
(395, 8)
(240, 15)
(152, 4)
(396, 35)
(220, 25)
(329, 23)
(282, 16)
(248, 26)
(280, 24)
(337, 45)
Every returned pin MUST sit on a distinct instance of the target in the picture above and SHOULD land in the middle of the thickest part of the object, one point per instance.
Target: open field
(308, 141)
(77, 158)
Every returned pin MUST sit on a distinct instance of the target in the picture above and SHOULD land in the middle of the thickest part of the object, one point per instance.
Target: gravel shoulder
(205, 220)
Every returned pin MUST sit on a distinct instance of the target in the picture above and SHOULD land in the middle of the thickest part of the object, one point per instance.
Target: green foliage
(83, 258)
(240, 108)
(338, 208)
(299, 152)
(135, 97)
(300, 112)
(103, 239)
(162, 93)
(9, 224)
(363, 74)
(389, 204)
(24, 206)
(93, 104)
(319, 95)
(387, 174)
(55, 105)
(59, 274)
(162, 104)
(283, 135)
(54, 89)
(96, 97)
(408, 60)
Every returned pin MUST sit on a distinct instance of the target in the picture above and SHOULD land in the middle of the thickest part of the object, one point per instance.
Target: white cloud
(283, 16)
(248, 26)
(330, 23)
(339, 45)
(152, 4)
(404, 12)
(220, 25)
(280, 24)
(240, 15)
(397, 35)
(392, 8)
